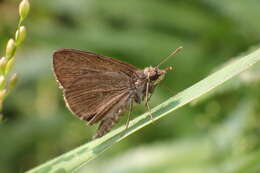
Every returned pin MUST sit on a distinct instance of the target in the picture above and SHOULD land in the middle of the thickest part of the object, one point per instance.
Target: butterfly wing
(70, 64)
(91, 97)
(94, 86)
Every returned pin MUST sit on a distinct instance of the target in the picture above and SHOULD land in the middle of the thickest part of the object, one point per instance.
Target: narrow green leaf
(74, 159)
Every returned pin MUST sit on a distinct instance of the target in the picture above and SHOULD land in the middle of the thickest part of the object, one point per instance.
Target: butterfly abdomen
(112, 117)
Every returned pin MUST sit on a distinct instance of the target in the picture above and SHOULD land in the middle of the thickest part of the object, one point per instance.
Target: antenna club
(177, 50)
(168, 68)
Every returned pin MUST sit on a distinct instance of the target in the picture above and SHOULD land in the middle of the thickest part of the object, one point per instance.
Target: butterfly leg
(129, 114)
(149, 110)
(147, 98)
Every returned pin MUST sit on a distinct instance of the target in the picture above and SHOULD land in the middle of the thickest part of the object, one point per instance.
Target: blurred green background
(219, 133)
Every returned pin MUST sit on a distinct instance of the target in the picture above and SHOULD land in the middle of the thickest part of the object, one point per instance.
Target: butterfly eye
(154, 76)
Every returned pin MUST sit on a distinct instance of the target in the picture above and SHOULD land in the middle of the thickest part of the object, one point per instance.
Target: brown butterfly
(99, 89)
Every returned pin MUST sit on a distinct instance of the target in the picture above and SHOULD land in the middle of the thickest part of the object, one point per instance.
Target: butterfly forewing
(70, 63)
(94, 86)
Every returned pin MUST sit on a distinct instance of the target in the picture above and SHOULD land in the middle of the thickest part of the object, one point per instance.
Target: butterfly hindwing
(86, 99)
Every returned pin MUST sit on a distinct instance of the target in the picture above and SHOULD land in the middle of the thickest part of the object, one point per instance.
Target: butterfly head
(155, 75)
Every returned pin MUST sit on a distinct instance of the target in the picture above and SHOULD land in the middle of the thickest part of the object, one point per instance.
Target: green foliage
(38, 127)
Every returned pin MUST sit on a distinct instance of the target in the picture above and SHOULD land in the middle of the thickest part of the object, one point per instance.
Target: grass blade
(74, 159)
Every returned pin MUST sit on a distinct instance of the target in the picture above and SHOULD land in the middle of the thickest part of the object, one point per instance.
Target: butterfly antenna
(173, 53)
